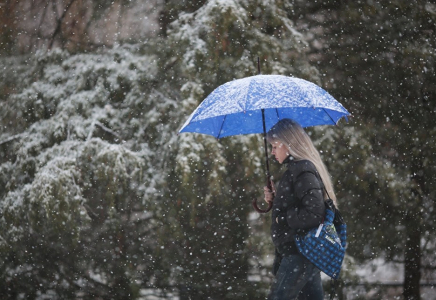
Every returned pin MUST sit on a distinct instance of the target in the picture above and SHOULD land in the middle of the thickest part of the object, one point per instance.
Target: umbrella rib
(329, 116)
(222, 124)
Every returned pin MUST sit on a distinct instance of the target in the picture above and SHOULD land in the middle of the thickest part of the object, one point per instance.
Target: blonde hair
(300, 146)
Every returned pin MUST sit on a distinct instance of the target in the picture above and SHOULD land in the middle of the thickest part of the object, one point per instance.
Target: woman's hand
(269, 194)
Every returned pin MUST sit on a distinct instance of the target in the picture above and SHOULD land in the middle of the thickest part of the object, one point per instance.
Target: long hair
(300, 146)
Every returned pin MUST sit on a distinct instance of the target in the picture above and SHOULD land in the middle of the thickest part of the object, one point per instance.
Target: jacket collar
(289, 159)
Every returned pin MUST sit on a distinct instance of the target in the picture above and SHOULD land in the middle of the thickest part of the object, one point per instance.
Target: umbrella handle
(269, 185)
(262, 211)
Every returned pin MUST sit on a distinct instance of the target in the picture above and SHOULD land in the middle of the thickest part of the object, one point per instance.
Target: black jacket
(298, 204)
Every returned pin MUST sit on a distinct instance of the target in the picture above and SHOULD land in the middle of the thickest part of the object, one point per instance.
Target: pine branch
(11, 138)
(108, 130)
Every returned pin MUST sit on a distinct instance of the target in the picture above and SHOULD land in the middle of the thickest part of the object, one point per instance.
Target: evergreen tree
(379, 58)
(78, 176)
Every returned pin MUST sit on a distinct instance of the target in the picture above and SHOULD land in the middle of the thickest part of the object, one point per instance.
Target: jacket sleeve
(310, 211)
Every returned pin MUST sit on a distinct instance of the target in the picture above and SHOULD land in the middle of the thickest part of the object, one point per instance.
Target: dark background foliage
(100, 198)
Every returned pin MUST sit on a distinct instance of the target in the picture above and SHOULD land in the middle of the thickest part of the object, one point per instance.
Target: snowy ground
(377, 272)
(380, 271)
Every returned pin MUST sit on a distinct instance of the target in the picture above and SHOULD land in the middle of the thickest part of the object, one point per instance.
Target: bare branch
(90, 212)
(41, 21)
(59, 23)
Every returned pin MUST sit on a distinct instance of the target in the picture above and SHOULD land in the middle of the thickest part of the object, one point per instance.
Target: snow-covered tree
(79, 175)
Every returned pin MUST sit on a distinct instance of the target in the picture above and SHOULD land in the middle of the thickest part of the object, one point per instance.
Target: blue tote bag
(325, 245)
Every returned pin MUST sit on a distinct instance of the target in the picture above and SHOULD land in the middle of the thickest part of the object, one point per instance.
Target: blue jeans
(297, 278)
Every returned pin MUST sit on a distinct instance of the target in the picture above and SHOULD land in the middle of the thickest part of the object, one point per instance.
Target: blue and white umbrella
(255, 104)
(236, 106)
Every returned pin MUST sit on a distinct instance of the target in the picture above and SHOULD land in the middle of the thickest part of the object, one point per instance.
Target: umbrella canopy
(255, 104)
(236, 106)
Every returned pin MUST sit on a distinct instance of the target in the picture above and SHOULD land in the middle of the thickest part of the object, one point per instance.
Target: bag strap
(323, 186)
(332, 205)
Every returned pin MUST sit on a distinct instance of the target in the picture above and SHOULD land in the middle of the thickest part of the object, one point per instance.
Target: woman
(298, 205)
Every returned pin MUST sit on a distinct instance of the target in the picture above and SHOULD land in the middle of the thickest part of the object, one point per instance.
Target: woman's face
(279, 151)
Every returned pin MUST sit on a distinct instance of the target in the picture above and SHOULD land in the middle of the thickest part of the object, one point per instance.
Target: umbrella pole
(266, 149)
(268, 175)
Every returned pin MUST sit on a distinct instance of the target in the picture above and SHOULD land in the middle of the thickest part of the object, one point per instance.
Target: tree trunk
(412, 266)
(412, 254)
